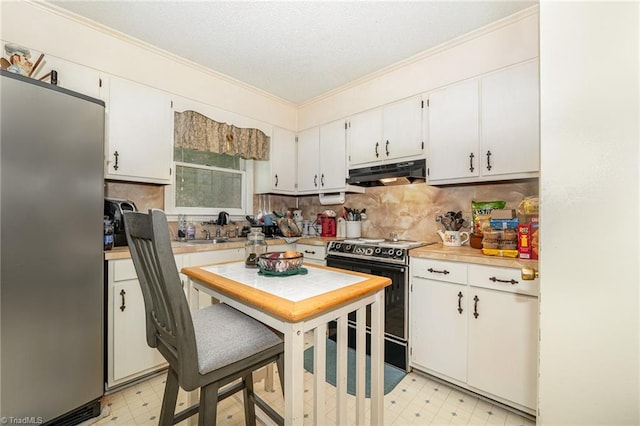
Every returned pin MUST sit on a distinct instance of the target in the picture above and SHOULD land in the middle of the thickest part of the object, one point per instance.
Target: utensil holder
(354, 228)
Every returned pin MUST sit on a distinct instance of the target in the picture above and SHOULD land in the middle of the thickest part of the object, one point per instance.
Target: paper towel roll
(330, 199)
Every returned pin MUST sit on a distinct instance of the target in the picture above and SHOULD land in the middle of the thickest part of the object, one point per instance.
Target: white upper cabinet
(453, 132)
(322, 161)
(72, 76)
(278, 174)
(402, 129)
(309, 160)
(510, 121)
(390, 133)
(139, 140)
(365, 137)
(485, 128)
(333, 156)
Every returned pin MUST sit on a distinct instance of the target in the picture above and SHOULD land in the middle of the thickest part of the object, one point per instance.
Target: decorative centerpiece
(281, 263)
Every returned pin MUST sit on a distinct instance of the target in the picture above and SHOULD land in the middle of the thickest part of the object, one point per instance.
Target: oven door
(395, 303)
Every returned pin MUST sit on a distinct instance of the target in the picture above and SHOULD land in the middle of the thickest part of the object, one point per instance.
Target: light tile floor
(416, 400)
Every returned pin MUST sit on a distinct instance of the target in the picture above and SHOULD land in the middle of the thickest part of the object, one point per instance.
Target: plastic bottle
(182, 227)
(108, 233)
(191, 231)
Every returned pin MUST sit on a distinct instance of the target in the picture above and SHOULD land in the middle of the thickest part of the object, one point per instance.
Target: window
(206, 183)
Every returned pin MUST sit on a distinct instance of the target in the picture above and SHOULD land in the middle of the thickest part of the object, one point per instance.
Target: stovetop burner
(373, 249)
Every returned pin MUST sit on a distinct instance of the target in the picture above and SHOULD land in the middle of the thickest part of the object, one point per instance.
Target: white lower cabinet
(476, 326)
(503, 334)
(129, 356)
(313, 253)
(442, 349)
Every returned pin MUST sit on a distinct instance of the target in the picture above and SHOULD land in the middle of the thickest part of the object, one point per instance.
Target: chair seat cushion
(225, 335)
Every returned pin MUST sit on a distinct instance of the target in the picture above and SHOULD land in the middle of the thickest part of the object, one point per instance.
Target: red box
(528, 239)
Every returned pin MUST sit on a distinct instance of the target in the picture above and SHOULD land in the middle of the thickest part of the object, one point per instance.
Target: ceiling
(295, 50)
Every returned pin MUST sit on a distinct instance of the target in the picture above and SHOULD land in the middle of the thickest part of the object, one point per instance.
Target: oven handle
(336, 262)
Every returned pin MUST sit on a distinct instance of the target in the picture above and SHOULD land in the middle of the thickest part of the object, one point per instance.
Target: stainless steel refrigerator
(51, 253)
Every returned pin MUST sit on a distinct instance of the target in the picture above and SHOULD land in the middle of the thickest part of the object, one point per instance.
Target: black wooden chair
(209, 349)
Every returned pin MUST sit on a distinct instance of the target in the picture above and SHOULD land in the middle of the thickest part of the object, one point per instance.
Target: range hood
(400, 173)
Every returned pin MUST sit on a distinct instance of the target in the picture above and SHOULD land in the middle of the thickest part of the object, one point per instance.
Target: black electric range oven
(387, 259)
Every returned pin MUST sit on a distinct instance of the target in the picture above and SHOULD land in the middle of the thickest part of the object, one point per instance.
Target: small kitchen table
(298, 304)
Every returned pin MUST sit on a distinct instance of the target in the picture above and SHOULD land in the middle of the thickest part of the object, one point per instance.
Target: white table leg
(319, 374)
(377, 359)
(361, 352)
(293, 374)
(341, 370)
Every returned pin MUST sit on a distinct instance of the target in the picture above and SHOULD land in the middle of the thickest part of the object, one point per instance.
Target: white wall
(42, 28)
(506, 42)
(589, 263)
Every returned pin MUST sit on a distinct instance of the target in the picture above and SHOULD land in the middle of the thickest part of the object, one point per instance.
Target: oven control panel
(368, 251)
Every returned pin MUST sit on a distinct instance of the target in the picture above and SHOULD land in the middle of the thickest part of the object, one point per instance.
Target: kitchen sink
(215, 241)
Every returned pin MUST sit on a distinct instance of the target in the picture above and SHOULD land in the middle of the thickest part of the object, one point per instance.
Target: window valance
(196, 131)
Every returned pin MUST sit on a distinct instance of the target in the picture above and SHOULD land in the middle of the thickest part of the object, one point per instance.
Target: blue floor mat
(392, 374)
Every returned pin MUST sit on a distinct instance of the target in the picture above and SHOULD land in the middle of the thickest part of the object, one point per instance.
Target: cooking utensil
(35, 66)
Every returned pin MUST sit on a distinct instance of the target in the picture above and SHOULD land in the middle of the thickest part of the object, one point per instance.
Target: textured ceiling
(296, 50)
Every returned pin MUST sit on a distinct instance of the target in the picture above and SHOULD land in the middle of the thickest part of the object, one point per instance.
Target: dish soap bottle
(191, 231)
(254, 247)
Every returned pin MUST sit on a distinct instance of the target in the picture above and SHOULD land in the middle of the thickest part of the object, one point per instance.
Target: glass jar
(254, 247)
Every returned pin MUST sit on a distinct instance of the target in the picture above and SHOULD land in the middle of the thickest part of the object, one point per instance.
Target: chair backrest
(168, 318)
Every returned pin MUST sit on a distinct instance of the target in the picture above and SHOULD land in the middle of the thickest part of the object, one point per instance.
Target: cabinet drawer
(440, 270)
(123, 270)
(311, 251)
(503, 279)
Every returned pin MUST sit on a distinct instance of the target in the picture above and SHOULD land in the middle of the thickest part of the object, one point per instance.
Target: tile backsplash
(408, 210)
(144, 196)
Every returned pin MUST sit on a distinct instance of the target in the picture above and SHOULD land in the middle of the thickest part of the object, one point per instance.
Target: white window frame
(206, 213)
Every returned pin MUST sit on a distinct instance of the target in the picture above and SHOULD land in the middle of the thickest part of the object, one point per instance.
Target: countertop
(185, 247)
(291, 298)
(433, 251)
(468, 254)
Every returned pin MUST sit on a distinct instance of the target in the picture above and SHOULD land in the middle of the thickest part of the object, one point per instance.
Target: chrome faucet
(207, 234)
(218, 232)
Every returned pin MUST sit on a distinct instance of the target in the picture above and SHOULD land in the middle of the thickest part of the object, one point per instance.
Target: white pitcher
(454, 238)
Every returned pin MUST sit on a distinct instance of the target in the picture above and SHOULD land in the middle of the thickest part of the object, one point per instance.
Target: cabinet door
(308, 160)
(453, 132)
(283, 161)
(131, 354)
(72, 76)
(438, 312)
(503, 344)
(139, 143)
(333, 156)
(402, 129)
(364, 135)
(510, 121)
